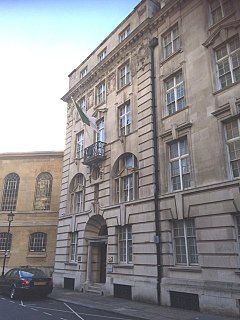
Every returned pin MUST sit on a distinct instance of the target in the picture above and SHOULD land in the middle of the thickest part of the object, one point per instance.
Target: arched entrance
(96, 236)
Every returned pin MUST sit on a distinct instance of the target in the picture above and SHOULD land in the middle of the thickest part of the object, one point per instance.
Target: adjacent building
(149, 203)
(30, 188)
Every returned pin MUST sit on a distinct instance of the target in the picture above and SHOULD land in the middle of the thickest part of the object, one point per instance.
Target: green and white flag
(88, 120)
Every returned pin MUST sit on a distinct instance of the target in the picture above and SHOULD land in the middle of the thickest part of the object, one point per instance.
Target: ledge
(185, 268)
(127, 266)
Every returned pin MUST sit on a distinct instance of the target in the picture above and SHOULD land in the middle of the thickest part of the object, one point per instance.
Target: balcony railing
(94, 153)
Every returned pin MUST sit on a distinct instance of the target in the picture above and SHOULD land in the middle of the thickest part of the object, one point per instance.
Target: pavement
(136, 309)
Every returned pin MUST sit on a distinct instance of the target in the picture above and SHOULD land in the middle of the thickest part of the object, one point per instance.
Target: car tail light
(24, 283)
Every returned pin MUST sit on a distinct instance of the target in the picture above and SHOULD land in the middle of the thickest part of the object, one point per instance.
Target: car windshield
(29, 273)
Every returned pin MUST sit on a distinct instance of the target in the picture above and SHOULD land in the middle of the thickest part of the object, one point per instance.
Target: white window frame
(181, 163)
(125, 119)
(125, 244)
(185, 243)
(233, 144)
(100, 136)
(80, 145)
(77, 194)
(227, 71)
(5, 241)
(83, 73)
(175, 93)
(102, 55)
(171, 42)
(124, 75)
(220, 9)
(38, 242)
(73, 246)
(124, 34)
(101, 93)
(126, 181)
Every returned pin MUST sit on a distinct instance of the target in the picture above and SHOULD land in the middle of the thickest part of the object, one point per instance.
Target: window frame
(173, 91)
(101, 93)
(83, 72)
(124, 34)
(184, 251)
(73, 249)
(43, 194)
(232, 141)
(102, 55)
(38, 242)
(5, 241)
(100, 135)
(180, 159)
(124, 75)
(223, 12)
(226, 63)
(10, 195)
(170, 34)
(125, 244)
(79, 149)
(125, 121)
(77, 194)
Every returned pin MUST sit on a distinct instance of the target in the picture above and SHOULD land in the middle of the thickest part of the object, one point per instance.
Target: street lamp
(10, 219)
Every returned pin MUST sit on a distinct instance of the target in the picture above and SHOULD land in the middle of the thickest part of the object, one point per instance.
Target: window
(185, 245)
(73, 246)
(76, 193)
(102, 55)
(125, 244)
(124, 75)
(126, 178)
(175, 93)
(38, 242)
(80, 145)
(179, 165)
(171, 42)
(228, 62)
(100, 134)
(83, 73)
(5, 241)
(43, 192)
(219, 9)
(10, 192)
(82, 103)
(123, 35)
(233, 142)
(125, 119)
(101, 91)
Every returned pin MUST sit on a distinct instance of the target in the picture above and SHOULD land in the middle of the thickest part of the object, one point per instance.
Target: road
(47, 309)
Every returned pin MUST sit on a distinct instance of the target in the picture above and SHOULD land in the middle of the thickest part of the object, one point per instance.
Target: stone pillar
(89, 262)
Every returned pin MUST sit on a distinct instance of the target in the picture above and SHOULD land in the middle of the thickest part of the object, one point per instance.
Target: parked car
(24, 281)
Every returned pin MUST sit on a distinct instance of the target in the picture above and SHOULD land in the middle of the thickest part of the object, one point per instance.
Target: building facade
(149, 204)
(30, 188)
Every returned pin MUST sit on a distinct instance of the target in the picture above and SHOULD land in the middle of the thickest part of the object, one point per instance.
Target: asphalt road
(47, 309)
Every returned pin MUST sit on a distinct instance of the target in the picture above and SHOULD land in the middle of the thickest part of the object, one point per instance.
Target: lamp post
(10, 219)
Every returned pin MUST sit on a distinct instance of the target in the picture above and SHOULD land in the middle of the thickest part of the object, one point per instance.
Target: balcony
(95, 153)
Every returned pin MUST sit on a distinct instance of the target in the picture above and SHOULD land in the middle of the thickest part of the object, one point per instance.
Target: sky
(41, 42)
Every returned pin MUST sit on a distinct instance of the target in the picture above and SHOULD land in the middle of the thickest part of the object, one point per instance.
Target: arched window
(5, 241)
(10, 192)
(77, 193)
(38, 242)
(43, 191)
(125, 178)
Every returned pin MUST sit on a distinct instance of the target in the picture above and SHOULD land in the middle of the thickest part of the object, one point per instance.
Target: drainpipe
(152, 44)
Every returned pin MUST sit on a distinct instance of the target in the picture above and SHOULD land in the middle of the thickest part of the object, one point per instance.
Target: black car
(23, 281)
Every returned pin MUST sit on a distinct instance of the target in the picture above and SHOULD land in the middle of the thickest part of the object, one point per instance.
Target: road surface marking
(73, 311)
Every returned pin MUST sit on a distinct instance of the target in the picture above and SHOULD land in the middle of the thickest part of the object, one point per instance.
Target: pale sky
(41, 42)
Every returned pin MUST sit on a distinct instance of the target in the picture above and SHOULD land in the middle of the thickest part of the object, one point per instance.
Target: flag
(90, 121)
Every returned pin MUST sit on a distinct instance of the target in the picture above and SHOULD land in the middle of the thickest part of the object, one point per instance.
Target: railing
(94, 153)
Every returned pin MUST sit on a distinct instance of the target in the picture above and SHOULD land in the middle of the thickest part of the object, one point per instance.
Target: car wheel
(13, 293)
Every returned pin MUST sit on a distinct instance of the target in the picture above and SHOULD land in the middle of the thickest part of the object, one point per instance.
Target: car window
(10, 273)
(31, 273)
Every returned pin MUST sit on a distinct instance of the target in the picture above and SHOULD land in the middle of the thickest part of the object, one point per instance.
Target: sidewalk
(130, 308)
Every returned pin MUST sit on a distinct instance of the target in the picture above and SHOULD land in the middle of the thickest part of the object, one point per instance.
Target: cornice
(26, 155)
(212, 37)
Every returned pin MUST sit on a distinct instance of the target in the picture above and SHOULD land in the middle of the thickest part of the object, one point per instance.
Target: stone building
(149, 205)
(30, 188)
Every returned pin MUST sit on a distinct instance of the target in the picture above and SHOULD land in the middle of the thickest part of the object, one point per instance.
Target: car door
(5, 281)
